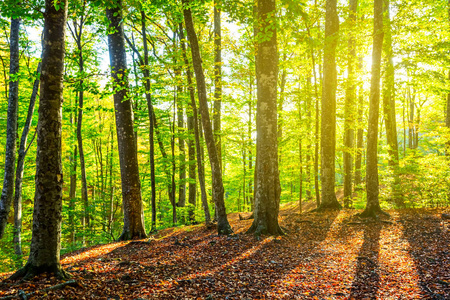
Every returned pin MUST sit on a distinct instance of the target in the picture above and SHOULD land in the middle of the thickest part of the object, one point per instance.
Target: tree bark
(11, 126)
(373, 204)
(46, 236)
(359, 134)
(223, 226)
(267, 181)
(350, 100)
(182, 152)
(388, 95)
(328, 121)
(217, 79)
(148, 97)
(200, 166)
(77, 33)
(133, 218)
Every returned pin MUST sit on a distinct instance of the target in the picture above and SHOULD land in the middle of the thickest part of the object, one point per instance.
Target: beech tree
(267, 181)
(46, 237)
(223, 226)
(388, 96)
(328, 120)
(350, 101)
(373, 204)
(133, 216)
(11, 130)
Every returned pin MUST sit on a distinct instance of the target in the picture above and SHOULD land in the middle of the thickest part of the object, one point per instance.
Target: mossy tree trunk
(47, 214)
(267, 181)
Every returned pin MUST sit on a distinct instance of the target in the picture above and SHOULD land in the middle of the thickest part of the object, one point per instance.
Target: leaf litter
(330, 255)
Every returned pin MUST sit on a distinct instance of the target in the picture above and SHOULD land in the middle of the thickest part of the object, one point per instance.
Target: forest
(225, 149)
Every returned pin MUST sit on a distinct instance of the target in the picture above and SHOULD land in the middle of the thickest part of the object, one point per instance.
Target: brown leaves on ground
(323, 256)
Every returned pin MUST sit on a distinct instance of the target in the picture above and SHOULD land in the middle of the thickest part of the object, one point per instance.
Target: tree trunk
(300, 152)
(133, 226)
(280, 109)
(217, 79)
(192, 187)
(388, 95)
(250, 194)
(411, 134)
(23, 149)
(172, 162)
(359, 135)
(223, 226)
(267, 181)
(77, 34)
(447, 118)
(373, 204)
(182, 155)
(328, 121)
(350, 100)
(46, 236)
(11, 126)
(200, 168)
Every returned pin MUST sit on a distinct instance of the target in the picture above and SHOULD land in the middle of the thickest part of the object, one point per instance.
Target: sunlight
(92, 253)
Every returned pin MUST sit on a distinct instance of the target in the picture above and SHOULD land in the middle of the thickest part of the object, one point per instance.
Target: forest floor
(322, 256)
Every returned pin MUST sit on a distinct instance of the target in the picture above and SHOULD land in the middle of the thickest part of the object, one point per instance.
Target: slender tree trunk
(316, 133)
(192, 187)
(250, 144)
(328, 121)
(373, 204)
(300, 154)
(244, 169)
(359, 135)
(23, 149)
(84, 190)
(308, 103)
(47, 214)
(200, 166)
(111, 186)
(411, 100)
(172, 161)
(350, 101)
(447, 117)
(73, 177)
(182, 152)
(388, 95)
(129, 169)
(217, 79)
(267, 181)
(11, 126)
(223, 226)
(280, 109)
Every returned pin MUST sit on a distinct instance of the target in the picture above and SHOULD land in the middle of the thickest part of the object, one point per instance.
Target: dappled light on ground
(323, 256)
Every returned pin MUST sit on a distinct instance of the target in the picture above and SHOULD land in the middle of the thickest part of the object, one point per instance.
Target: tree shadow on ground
(429, 249)
(202, 264)
(367, 277)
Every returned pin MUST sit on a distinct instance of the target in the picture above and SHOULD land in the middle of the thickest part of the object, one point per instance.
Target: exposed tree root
(374, 213)
(29, 271)
(224, 228)
(127, 235)
(335, 205)
(261, 229)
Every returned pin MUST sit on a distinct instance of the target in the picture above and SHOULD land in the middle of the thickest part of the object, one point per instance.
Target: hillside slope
(322, 256)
